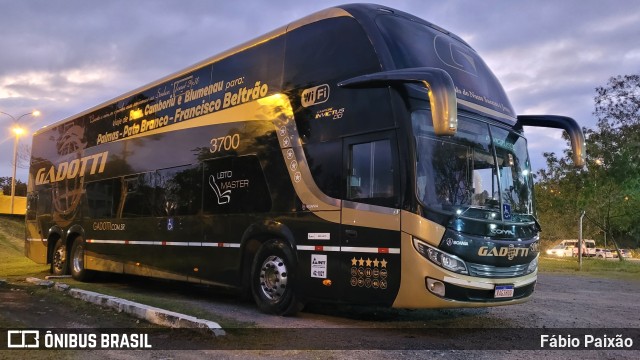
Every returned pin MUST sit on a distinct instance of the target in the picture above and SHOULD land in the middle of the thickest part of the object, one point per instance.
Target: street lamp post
(17, 130)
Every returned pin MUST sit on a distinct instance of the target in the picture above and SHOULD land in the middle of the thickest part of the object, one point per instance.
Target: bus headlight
(440, 258)
(533, 266)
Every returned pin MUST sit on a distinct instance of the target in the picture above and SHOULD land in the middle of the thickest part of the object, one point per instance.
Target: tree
(616, 144)
(5, 184)
(558, 196)
(609, 188)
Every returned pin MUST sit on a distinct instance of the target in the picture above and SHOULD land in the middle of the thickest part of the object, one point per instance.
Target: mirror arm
(578, 144)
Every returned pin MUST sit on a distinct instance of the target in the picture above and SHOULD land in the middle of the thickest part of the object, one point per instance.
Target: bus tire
(59, 258)
(273, 279)
(78, 272)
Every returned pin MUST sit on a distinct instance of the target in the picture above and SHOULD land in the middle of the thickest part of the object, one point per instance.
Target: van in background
(588, 246)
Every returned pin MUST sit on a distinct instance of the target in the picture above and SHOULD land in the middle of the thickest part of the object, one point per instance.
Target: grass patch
(627, 269)
(170, 300)
(14, 263)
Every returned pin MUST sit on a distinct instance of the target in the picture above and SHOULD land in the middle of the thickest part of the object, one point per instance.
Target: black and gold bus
(357, 155)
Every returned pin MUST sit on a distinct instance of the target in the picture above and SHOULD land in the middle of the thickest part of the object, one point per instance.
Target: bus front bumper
(426, 285)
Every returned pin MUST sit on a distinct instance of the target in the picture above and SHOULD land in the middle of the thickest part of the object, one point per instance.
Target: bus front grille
(489, 271)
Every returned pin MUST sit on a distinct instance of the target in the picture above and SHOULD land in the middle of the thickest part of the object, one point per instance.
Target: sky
(62, 57)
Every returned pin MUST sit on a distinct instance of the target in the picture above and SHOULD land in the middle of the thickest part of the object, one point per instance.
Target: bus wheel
(59, 258)
(77, 261)
(273, 280)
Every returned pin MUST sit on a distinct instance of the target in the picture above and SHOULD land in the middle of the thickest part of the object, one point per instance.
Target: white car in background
(560, 250)
(625, 253)
(604, 253)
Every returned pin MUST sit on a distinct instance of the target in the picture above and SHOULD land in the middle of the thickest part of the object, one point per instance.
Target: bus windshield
(482, 172)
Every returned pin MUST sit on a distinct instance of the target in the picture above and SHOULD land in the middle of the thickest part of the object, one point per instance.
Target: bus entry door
(371, 220)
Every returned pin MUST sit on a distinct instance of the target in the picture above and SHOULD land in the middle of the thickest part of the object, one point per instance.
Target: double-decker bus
(358, 155)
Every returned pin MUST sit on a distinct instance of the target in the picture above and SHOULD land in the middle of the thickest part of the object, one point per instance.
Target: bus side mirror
(578, 145)
(440, 87)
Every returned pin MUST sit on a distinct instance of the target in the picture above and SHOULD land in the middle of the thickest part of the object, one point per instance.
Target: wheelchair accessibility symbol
(506, 210)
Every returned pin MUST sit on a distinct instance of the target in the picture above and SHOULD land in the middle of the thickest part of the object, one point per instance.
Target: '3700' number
(229, 142)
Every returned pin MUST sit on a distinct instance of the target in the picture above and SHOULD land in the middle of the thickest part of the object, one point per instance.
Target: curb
(151, 314)
(40, 282)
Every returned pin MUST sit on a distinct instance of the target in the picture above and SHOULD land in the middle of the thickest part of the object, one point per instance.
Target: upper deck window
(332, 49)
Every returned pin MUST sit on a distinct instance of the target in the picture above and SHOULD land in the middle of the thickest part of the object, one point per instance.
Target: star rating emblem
(361, 262)
(368, 262)
(354, 261)
(375, 262)
(383, 263)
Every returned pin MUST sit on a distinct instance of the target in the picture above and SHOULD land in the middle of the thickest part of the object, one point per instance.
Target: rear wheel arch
(254, 236)
(57, 251)
(73, 232)
(53, 235)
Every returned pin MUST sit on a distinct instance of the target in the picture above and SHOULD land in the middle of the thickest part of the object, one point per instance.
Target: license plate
(503, 291)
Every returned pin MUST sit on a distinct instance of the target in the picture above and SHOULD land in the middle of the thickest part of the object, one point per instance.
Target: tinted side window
(103, 198)
(371, 173)
(318, 57)
(178, 191)
(235, 185)
(166, 192)
(327, 50)
(139, 195)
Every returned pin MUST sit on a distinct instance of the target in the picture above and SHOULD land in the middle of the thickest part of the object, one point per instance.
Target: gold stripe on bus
(258, 110)
(305, 187)
(330, 216)
(278, 109)
(318, 16)
(370, 219)
(423, 229)
(413, 270)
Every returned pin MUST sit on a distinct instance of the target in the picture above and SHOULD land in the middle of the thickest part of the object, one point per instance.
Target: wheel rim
(78, 259)
(59, 257)
(273, 278)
